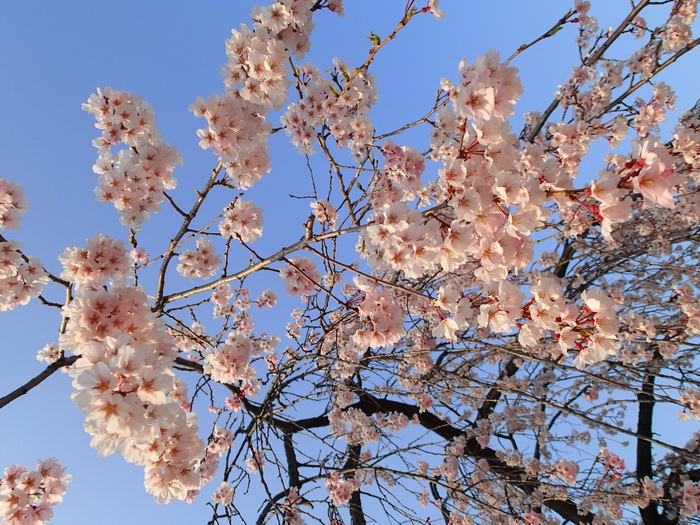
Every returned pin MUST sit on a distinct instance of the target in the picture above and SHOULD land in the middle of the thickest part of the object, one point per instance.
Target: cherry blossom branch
(592, 59)
(367, 276)
(549, 33)
(376, 46)
(43, 300)
(317, 285)
(616, 34)
(343, 189)
(175, 206)
(438, 106)
(278, 256)
(617, 257)
(495, 393)
(646, 80)
(370, 404)
(599, 422)
(516, 351)
(258, 411)
(184, 228)
(50, 275)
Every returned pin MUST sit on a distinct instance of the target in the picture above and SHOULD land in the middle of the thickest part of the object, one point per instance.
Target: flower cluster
(690, 399)
(492, 204)
(292, 515)
(230, 361)
(26, 496)
(221, 299)
(690, 306)
(398, 238)
(612, 463)
(381, 319)
(566, 471)
(102, 259)
(125, 386)
(653, 113)
(258, 59)
(403, 167)
(677, 33)
(300, 276)
(356, 427)
(219, 443)
(237, 132)
(224, 494)
(12, 204)
(256, 79)
(687, 137)
(691, 499)
(21, 278)
(256, 461)
(133, 179)
(199, 263)
(267, 299)
(592, 330)
(342, 103)
(340, 490)
(651, 172)
(486, 89)
(50, 353)
(325, 213)
(243, 220)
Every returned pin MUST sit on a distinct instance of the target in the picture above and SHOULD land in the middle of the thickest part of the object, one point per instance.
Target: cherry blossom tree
(487, 322)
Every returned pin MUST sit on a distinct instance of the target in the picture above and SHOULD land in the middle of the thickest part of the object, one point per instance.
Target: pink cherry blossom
(103, 258)
(300, 276)
(12, 204)
(199, 263)
(26, 496)
(484, 307)
(242, 219)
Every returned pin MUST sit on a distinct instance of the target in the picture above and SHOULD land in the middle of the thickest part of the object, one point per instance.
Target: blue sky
(55, 54)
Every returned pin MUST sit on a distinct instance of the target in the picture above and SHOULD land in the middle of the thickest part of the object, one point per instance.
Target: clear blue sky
(55, 54)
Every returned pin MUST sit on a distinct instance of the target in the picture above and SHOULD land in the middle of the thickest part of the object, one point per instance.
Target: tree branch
(38, 379)
(589, 62)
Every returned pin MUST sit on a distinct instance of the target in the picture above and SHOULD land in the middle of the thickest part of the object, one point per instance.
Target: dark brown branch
(565, 259)
(494, 394)
(357, 514)
(517, 477)
(38, 379)
(370, 405)
(650, 514)
(437, 497)
(292, 462)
